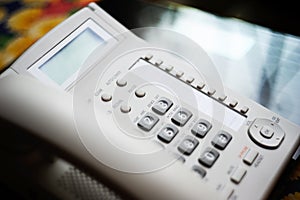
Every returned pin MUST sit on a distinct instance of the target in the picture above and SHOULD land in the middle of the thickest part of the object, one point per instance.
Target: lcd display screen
(68, 60)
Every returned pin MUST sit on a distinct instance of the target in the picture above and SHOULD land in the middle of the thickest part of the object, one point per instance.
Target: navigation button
(266, 132)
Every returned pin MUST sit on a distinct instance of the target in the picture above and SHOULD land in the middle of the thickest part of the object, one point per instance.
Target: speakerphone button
(238, 175)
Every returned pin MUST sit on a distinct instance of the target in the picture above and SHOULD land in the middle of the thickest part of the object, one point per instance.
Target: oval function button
(121, 82)
(125, 108)
(140, 93)
(106, 97)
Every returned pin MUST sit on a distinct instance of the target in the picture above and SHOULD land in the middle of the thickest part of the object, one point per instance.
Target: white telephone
(142, 116)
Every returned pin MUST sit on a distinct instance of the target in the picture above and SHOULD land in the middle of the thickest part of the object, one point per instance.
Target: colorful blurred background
(22, 22)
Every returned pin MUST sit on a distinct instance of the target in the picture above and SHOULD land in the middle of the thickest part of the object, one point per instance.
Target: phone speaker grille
(84, 187)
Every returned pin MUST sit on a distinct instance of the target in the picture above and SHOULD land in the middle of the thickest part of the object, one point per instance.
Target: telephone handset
(143, 116)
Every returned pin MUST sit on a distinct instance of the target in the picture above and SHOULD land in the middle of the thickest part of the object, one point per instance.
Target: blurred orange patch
(23, 20)
(41, 27)
(38, 3)
(18, 46)
(2, 14)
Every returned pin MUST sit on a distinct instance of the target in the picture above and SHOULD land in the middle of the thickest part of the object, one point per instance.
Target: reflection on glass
(252, 60)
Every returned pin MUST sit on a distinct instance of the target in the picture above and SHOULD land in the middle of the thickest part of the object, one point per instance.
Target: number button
(162, 105)
(201, 128)
(188, 145)
(167, 133)
(181, 117)
(221, 140)
(208, 157)
(148, 122)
